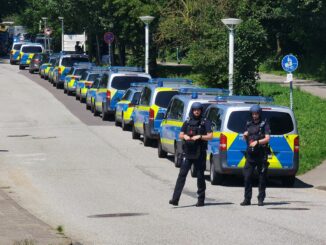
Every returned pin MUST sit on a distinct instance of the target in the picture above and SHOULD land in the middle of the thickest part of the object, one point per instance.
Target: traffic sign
(109, 37)
(290, 63)
(48, 31)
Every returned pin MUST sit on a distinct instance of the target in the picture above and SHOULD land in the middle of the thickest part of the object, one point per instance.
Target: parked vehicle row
(155, 109)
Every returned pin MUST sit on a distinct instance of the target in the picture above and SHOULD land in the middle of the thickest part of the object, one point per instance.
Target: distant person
(195, 133)
(257, 135)
(78, 48)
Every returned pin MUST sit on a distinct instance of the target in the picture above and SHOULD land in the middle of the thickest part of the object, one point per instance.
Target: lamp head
(147, 19)
(231, 23)
(60, 18)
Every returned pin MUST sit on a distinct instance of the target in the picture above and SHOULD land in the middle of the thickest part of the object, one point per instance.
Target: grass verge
(310, 113)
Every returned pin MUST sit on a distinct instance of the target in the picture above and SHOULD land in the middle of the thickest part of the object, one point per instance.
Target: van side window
(176, 111)
(214, 116)
(104, 81)
(145, 97)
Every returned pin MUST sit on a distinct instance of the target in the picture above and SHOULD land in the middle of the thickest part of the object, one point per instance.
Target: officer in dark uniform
(257, 135)
(195, 132)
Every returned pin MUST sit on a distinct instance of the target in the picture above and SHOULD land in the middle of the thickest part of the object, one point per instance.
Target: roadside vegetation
(270, 30)
(310, 112)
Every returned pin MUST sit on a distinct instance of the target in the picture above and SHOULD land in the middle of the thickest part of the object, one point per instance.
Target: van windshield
(163, 98)
(280, 122)
(17, 46)
(32, 49)
(92, 77)
(70, 61)
(79, 72)
(124, 82)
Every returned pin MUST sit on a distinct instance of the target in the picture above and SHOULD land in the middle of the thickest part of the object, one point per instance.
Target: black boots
(260, 202)
(245, 202)
(174, 202)
(200, 204)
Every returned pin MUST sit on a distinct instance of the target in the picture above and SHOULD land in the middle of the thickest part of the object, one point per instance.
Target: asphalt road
(70, 169)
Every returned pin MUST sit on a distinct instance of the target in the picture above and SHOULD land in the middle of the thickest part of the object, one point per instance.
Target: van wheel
(95, 112)
(288, 181)
(134, 134)
(105, 115)
(147, 141)
(21, 67)
(88, 107)
(193, 171)
(215, 178)
(124, 126)
(161, 153)
(57, 85)
(177, 162)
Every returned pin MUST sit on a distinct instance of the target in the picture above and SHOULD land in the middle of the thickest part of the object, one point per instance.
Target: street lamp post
(147, 20)
(45, 26)
(231, 24)
(62, 33)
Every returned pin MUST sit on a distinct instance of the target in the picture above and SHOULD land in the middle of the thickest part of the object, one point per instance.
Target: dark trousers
(262, 178)
(199, 165)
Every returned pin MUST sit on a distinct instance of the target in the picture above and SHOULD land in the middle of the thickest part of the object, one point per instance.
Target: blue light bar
(99, 68)
(246, 99)
(208, 91)
(83, 64)
(126, 68)
(171, 80)
(138, 84)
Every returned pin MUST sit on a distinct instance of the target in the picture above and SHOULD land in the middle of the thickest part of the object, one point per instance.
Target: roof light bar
(171, 80)
(84, 64)
(246, 99)
(126, 68)
(99, 68)
(206, 91)
(138, 84)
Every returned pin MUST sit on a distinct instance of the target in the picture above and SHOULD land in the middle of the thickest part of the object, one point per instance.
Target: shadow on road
(207, 204)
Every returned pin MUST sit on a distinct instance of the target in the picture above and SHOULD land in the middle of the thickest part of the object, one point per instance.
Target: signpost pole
(290, 64)
(291, 94)
(109, 54)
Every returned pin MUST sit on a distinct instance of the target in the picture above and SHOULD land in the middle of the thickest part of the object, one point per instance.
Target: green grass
(298, 74)
(310, 113)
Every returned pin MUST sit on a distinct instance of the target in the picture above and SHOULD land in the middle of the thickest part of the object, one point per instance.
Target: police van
(74, 75)
(149, 111)
(227, 151)
(14, 52)
(112, 87)
(177, 113)
(27, 52)
(63, 66)
(126, 105)
(86, 80)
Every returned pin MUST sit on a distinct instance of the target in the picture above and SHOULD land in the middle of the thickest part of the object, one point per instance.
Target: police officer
(195, 133)
(257, 135)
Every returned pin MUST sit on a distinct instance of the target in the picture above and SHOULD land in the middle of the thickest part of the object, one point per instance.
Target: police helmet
(255, 108)
(197, 105)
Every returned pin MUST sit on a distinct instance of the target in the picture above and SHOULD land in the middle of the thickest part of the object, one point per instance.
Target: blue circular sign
(290, 63)
(109, 37)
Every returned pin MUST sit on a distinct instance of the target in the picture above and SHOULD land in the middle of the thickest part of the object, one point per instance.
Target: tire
(21, 67)
(104, 115)
(160, 152)
(215, 178)
(95, 112)
(64, 90)
(193, 171)
(147, 141)
(134, 134)
(57, 85)
(177, 163)
(69, 93)
(88, 107)
(124, 126)
(288, 181)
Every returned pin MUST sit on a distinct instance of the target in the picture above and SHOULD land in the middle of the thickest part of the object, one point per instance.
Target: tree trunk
(98, 58)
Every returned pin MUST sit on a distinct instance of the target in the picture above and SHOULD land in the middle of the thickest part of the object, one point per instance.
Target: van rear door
(282, 142)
